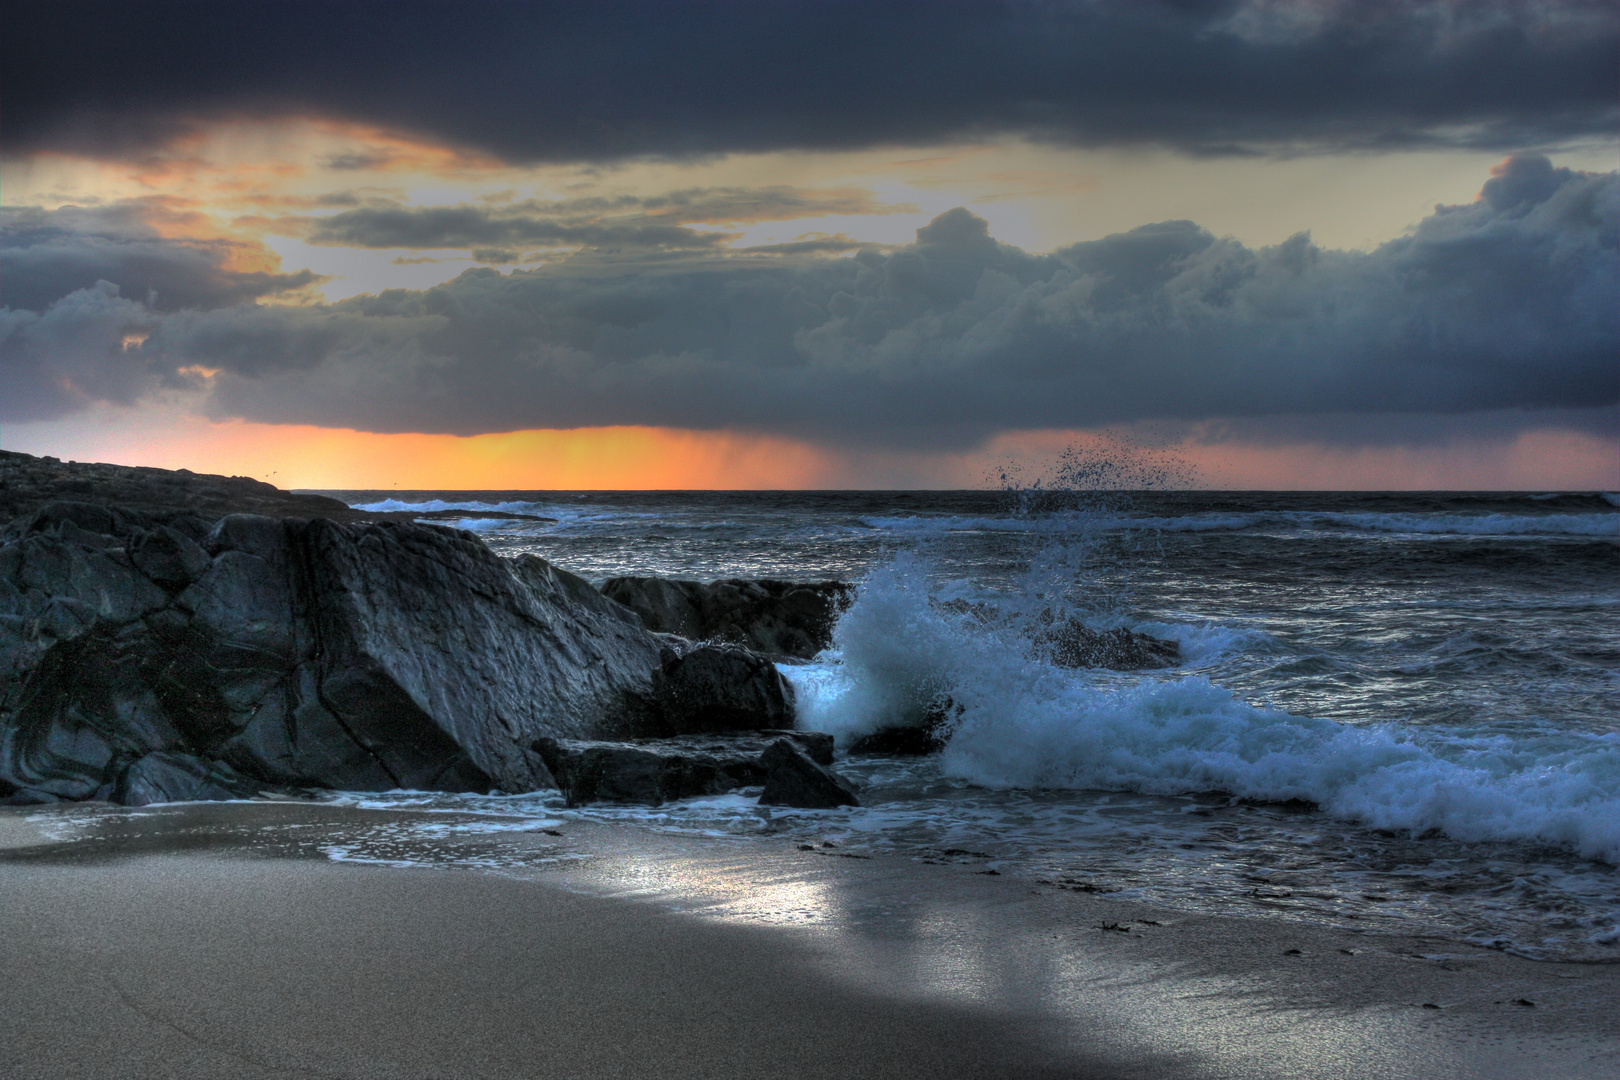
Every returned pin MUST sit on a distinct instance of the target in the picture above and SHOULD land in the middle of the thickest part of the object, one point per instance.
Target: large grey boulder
(781, 618)
(722, 688)
(310, 653)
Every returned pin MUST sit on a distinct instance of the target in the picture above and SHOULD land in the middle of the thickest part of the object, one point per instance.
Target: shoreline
(223, 939)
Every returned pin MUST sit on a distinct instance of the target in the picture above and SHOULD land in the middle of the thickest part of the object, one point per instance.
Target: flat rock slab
(655, 771)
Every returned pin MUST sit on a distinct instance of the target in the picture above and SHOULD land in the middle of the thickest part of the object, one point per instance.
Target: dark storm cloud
(537, 81)
(475, 226)
(1359, 430)
(1505, 303)
(47, 254)
(598, 222)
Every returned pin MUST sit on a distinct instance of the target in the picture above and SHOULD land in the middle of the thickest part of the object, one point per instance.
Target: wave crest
(1022, 723)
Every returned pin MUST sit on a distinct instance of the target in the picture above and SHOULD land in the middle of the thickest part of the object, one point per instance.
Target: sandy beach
(270, 939)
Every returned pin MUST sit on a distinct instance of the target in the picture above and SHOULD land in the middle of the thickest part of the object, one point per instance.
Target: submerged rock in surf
(782, 618)
(913, 740)
(1068, 643)
(794, 779)
(656, 771)
(152, 655)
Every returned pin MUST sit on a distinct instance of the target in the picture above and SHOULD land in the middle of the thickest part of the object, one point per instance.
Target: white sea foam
(396, 506)
(482, 525)
(1026, 724)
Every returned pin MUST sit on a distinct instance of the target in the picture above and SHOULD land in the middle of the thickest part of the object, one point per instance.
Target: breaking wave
(905, 646)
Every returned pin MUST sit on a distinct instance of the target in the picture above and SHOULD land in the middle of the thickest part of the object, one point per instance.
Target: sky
(1307, 244)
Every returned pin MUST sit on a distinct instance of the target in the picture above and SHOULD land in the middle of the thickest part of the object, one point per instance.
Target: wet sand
(226, 941)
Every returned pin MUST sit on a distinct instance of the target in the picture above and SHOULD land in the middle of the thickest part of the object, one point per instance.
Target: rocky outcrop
(139, 649)
(655, 771)
(28, 483)
(793, 778)
(1069, 643)
(780, 618)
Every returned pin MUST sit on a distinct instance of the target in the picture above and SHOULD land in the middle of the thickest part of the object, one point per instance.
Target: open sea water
(1396, 710)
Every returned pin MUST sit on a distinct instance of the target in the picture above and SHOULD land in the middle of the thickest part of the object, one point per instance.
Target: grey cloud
(74, 355)
(556, 81)
(1505, 303)
(95, 345)
(601, 222)
(48, 254)
(476, 226)
(829, 245)
(1364, 429)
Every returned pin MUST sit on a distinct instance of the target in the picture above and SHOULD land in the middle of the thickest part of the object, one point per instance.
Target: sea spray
(1465, 643)
(1017, 721)
(916, 644)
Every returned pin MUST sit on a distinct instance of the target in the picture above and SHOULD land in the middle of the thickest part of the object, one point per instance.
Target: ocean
(1393, 711)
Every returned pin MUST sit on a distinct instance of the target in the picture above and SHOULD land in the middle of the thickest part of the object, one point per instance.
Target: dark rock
(1070, 644)
(144, 644)
(783, 618)
(170, 777)
(28, 483)
(656, 771)
(548, 579)
(909, 741)
(170, 558)
(912, 740)
(793, 779)
(309, 653)
(722, 688)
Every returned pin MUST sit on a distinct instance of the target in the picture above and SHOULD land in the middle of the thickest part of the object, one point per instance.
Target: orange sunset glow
(643, 458)
(345, 293)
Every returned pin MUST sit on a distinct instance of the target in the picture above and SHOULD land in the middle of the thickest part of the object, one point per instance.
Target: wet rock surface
(794, 778)
(655, 771)
(157, 644)
(912, 740)
(782, 618)
(721, 688)
(138, 649)
(1070, 644)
